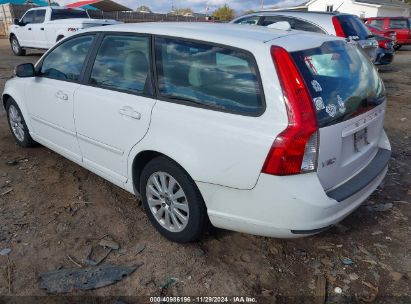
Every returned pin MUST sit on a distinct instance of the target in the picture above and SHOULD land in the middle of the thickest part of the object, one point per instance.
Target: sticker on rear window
(341, 104)
(316, 86)
(331, 109)
(319, 103)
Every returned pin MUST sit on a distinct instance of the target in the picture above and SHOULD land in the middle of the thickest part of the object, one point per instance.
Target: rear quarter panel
(217, 147)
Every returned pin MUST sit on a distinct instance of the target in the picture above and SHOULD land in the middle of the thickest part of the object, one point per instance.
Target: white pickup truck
(41, 28)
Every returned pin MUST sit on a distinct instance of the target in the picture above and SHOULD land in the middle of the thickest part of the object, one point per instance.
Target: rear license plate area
(360, 139)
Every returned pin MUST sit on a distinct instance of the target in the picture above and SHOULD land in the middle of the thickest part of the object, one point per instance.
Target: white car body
(45, 34)
(222, 152)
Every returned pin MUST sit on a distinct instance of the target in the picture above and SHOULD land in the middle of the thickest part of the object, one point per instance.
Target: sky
(199, 6)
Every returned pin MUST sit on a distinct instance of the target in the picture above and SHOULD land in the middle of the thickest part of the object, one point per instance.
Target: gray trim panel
(362, 179)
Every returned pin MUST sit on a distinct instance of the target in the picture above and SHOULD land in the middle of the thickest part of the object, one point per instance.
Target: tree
(252, 11)
(184, 11)
(143, 9)
(224, 13)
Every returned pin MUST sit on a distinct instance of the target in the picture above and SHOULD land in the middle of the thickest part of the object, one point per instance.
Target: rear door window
(353, 27)
(39, 17)
(57, 14)
(122, 63)
(399, 23)
(208, 76)
(342, 81)
(295, 23)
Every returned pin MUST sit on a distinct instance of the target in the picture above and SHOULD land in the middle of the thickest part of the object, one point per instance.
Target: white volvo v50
(269, 132)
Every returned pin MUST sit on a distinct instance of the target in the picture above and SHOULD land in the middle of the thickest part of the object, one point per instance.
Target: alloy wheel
(167, 201)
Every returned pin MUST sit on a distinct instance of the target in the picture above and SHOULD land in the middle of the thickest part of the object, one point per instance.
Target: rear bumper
(384, 58)
(289, 206)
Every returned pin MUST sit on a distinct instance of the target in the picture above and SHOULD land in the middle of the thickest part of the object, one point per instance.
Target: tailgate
(349, 98)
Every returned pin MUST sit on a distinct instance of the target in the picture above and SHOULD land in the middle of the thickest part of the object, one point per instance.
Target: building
(361, 8)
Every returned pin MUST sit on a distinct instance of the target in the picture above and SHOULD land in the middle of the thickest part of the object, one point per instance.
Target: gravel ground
(54, 211)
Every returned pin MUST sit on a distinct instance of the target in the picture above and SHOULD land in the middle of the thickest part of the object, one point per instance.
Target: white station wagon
(269, 132)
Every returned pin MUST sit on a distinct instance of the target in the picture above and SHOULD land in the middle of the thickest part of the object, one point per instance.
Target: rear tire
(16, 48)
(172, 201)
(17, 125)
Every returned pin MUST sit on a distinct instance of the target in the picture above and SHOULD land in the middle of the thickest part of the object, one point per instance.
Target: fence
(10, 11)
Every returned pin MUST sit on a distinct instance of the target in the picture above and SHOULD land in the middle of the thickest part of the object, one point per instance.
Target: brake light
(338, 28)
(295, 149)
(384, 44)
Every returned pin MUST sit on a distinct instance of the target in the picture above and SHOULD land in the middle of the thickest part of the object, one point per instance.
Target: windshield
(353, 27)
(341, 79)
(57, 14)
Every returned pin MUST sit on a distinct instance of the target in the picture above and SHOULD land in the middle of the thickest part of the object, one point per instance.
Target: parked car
(384, 33)
(269, 132)
(41, 27)
(385, 51)
(333, 23)
(400, 25)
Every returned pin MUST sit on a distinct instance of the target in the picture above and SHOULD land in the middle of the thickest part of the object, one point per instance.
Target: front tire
(16, 48)
(18, 126)
(397, 47)
(172, 201)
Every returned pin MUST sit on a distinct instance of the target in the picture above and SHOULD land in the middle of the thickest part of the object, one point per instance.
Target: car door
(37, 28)
(50, 95)
(112, 108)
(400, 25)
(24, 32)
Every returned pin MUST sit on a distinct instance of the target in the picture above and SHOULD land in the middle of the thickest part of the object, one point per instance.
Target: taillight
(295, 149)
(338, 28)
(384, 44)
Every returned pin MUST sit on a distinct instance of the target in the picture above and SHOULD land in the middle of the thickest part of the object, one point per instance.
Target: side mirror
(16, 21)
(25, 70)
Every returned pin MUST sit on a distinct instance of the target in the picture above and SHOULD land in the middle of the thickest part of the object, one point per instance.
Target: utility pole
(262, 4)
(172, 5)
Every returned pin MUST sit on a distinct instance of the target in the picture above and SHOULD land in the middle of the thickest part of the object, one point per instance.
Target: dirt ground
(52, 211)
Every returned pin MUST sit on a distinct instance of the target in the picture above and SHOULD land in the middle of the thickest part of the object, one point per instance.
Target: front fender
(15, 88)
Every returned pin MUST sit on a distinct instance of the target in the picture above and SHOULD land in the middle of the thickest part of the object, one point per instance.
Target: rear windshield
(353, 27)
(341, 79)
(67, 14)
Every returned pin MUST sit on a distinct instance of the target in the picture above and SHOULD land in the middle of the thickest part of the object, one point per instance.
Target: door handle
(42, 28)
(29, 28)
(61, 95)
(129, 112)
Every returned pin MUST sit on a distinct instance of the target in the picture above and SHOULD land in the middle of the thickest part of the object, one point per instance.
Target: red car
(384, 33)
(400, 25)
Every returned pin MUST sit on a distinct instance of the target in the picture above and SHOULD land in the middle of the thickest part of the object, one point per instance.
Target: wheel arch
(5, 98)
(59, 37)
(141, 160)
(18, 96)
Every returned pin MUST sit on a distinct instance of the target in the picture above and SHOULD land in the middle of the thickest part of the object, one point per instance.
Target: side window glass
(122, 62)
(28, 17)
(398, 23)
(377, 23)
(39, 16)
(271, 19)
(211, 76)
(66, 61)
(301, 25)
(249, 20)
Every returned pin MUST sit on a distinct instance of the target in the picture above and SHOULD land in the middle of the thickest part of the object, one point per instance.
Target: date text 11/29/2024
(203, 299)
